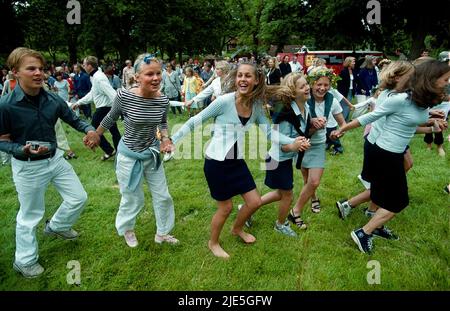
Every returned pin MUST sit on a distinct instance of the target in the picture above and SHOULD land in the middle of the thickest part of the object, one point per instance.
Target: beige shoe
(30, 271)
(166, 239)
(441, 151)
(130, 238)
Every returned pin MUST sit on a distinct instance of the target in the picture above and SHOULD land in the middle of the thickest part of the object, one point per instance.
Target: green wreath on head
(319, 72)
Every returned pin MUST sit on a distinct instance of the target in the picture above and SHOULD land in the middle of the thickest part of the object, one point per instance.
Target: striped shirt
(142, 116)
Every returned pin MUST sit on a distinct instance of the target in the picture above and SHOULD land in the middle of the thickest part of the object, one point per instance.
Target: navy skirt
(389, 187)
(366, 169)
(279, 175)
(228, 178)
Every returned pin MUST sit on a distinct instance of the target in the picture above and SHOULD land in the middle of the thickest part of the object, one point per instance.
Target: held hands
(91, 140)
(40, 150)
(336, 134)
(440, 114)
(436, 128)
(189, 103)
(75, 106)
(319, 123)
(166, 145)
(300, 144)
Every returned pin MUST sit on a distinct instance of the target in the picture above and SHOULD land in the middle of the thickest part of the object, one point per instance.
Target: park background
(323, 257)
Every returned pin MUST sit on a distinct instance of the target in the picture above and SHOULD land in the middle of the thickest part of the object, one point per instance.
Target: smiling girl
(144, 109)
(225, 170)
(322, 105)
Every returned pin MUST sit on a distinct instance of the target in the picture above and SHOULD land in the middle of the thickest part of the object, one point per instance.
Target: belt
(36, 158)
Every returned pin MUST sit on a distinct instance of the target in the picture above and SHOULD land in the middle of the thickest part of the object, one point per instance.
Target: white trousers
(31, 179)
(132, 202)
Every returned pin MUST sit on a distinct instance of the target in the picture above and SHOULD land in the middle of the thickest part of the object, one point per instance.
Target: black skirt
(366, 169)
(389, 187)
(228, 178)
(279, 175)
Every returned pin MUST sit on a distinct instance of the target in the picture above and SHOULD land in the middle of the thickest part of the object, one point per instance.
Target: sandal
(108, 156)
(315, 206)
(297, 220)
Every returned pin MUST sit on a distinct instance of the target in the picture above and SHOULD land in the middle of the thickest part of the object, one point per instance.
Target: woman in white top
(215, 88)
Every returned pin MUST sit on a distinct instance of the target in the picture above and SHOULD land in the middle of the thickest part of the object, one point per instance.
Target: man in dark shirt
(82, 86)
(27, 121)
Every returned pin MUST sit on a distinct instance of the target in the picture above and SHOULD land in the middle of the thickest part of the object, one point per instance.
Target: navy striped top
(142, 116)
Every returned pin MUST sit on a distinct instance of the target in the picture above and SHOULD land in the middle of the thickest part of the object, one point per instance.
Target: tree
(12, 34)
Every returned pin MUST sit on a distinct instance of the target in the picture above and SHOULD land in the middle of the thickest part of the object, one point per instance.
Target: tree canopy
(174, 28)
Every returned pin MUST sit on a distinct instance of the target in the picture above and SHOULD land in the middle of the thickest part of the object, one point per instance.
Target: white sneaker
(366, 184)
(130, 238)
(165, 239)
(344, 208)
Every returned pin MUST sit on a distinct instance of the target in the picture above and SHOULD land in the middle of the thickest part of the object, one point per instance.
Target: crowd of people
(308, 112)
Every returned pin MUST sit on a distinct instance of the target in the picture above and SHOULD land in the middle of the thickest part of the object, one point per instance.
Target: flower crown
(319, 72)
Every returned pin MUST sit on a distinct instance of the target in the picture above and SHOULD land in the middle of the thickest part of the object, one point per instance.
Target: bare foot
(246, 237)
(217, 250)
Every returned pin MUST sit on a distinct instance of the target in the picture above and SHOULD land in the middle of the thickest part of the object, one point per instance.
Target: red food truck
(334, 59)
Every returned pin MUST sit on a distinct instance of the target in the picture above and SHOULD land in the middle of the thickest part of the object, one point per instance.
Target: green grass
(323, 257)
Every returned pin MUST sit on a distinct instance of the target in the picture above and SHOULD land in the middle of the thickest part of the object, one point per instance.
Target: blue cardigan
(228, 128)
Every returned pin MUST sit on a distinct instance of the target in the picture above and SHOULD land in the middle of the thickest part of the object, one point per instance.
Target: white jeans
(133, 201)
(31, 179)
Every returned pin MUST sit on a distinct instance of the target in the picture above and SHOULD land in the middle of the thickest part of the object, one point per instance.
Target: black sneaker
(386, 233)
(369, 213)
(363, 240)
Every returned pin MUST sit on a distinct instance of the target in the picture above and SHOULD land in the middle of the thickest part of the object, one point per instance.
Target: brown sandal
(315, 206)
(297, 220)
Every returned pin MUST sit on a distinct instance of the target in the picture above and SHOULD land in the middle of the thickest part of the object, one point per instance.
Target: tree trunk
(419, 31)
(72, 47)
(180, 57)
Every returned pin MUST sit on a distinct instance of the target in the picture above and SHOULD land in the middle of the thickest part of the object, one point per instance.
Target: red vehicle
(334, 59)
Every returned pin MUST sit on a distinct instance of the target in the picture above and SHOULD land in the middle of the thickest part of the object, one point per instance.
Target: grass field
(322, 258)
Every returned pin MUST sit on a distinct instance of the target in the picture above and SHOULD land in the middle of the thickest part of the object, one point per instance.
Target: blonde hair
(275, 62)
(317, 62)
(91, 60)
(368, 62)
(348, 61)
(393, 70)
(224, 66)
(384, 62)
(257, 95)
(144, 58)
(17, 55)
(291, 79)
(189, 69)
(421, 60)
